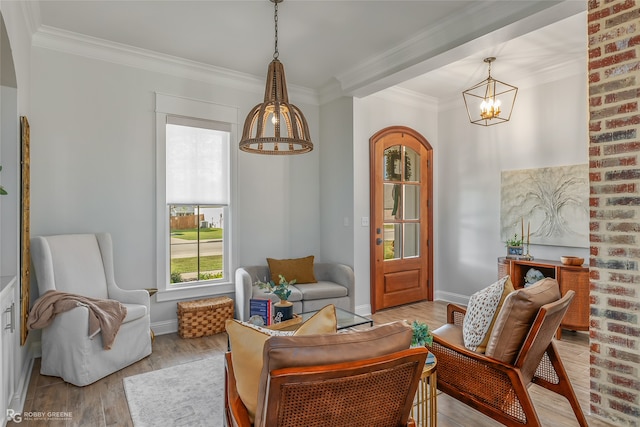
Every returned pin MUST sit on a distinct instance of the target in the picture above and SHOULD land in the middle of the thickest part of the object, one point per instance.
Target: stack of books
(261, 307)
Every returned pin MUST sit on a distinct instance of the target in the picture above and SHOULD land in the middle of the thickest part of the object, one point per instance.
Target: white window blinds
(197, 161)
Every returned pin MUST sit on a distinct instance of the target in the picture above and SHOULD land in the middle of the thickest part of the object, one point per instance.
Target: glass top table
(346, 319)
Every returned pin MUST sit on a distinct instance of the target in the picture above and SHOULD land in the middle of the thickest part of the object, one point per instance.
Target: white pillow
(267, 331)
(481, 311)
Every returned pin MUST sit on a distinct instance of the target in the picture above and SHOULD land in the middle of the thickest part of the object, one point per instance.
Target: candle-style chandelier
(275, 126)
(491, 101)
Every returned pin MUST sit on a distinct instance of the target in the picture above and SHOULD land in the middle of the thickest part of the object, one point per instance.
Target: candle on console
(528, 232)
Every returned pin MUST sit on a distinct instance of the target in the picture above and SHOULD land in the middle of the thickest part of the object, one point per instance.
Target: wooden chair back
(499, 389)
(372, 392)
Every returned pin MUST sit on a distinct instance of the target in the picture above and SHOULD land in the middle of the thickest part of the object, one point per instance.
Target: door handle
(10, 311)
(378, 241)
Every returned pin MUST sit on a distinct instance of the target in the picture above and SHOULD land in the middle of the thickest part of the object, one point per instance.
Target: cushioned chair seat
(321, 290)
(295, 296)
(452, 334)
(82, 264)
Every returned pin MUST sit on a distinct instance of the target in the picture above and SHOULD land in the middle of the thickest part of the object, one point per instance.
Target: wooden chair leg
(563, 387)
(522, 393)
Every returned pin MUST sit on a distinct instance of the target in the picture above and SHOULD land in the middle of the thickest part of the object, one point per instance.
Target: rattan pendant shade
(276, 127)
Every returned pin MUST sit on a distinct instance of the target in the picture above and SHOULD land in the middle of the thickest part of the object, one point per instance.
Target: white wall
(371, 114)
(20, 40)
(336, 181)
(93, 156)
(548, 128)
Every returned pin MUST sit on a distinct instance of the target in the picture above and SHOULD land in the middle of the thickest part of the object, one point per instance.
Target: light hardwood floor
(104, 404)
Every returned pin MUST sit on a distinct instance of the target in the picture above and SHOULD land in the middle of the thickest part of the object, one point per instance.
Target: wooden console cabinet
(568, 277)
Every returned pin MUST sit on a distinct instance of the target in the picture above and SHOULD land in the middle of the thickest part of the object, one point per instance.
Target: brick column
(614, 169)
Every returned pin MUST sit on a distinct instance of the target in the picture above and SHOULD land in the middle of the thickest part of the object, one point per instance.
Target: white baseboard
(451, 297)
(36, 349)
(22, 385)
(363, 310)
(165, 327)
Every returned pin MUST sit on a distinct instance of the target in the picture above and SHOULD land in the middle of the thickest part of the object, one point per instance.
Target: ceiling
(361, 46)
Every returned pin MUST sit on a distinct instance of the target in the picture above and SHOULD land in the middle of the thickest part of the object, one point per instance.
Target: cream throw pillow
(247, 342)
(481, 313)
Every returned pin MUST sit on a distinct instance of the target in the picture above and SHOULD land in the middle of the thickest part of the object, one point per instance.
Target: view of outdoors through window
(401, 203)
(196, 249)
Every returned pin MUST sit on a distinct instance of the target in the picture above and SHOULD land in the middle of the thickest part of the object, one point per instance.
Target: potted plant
(283, 310)
(514, 246)
(421, 334)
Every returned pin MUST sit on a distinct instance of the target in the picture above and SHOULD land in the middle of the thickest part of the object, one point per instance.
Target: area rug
(191, 394)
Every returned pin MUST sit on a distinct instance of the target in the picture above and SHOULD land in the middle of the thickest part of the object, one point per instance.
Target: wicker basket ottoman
(204, 317)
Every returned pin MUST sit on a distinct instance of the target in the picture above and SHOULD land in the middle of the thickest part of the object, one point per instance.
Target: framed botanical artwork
(549, 205)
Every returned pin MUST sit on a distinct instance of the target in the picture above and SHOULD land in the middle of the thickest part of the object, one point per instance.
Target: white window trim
(179, 106)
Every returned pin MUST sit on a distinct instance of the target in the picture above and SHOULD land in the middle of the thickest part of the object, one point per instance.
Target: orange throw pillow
(298, 269)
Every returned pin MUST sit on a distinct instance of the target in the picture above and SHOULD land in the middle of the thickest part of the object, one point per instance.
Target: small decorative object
(527, 256)
(283, 310)
(421, 334)
(571, 260)
(532, 277)
(514, 246)
(256, 320)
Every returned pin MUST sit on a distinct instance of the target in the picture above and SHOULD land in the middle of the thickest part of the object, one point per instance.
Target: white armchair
(83, 264)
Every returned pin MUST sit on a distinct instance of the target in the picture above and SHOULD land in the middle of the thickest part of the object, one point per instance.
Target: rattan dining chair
(499, 388)
(372, 392)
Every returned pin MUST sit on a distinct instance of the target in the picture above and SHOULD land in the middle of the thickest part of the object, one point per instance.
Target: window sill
(195, 292)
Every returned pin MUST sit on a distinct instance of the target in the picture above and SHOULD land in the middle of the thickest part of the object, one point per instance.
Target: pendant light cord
(275, 20)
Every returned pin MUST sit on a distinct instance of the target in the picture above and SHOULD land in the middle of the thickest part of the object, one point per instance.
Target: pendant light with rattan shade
(275, 126)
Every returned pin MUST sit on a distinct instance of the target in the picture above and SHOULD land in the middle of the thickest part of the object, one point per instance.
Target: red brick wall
(614, 167)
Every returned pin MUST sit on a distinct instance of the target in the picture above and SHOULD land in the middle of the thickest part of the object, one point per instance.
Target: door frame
(429, 209)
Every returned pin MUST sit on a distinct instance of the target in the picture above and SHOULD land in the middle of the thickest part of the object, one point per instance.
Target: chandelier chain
(275, 20)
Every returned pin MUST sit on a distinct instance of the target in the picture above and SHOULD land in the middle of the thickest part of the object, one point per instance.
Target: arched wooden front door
(401, 217)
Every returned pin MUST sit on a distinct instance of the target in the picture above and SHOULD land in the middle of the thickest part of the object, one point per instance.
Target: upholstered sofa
(335, 285)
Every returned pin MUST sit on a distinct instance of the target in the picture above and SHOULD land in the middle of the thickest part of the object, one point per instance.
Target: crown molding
(425, 51)
(330, 92)
(31, 14)
(563, 70)
(95, 48)
(409, 98)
